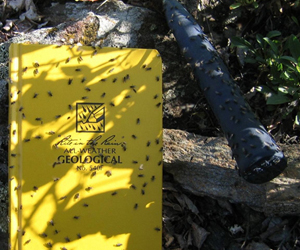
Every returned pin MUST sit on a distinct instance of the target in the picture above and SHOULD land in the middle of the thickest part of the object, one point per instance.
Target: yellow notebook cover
(85, 160)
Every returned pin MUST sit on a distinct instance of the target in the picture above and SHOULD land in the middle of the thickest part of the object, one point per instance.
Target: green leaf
(283, 89)
(260, 40)
(279, 67)
(294, 46)
(250, 60)
(273, 33)
(272, 44)
(260, 59)
(297, 119)
(295, 20)
(235, 6)
(289, 63)
(263, 89)
(241, 43)
(277, 98)
(289, 58)
(288, 90)
(286, 75)
(255, 5)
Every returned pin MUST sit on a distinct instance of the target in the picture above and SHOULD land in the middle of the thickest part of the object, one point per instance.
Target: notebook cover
(85, 160)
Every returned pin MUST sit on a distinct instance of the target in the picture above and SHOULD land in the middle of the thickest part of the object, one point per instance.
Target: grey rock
(75, 10)
(113, 24)
(3, 208)
(3, 241)
(203, 166)
(19, 5)
(3, 95)
(3, 135)
(120, 28)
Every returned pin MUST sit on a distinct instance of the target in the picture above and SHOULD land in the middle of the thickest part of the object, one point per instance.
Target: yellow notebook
(85, 160)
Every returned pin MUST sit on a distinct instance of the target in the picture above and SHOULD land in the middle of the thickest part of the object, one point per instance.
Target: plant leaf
(255, 5)
(288, 58)
(288, 90)
(260, 40)
(297, 120)
(250, 60)
(263, 89)
(235, 6)
(260, 59)
(240, 43)
(277, 98)
(284, 90)
(295, 20)
(272, 44)
(294, 46)
(273, 33)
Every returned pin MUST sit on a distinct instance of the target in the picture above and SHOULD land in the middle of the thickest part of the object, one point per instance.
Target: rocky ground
(192, 221)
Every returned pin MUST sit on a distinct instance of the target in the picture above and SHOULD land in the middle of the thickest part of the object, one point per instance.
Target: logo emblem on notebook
(90, 117)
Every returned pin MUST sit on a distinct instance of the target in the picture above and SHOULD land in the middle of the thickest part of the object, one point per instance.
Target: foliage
(239, 3)
(256, 3)
(280, 59)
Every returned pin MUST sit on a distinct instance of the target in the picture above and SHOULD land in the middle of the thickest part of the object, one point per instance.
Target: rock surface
(111, 24)
(204, 167)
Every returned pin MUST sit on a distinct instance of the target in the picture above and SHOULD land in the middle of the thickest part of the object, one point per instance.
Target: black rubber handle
(258, 157)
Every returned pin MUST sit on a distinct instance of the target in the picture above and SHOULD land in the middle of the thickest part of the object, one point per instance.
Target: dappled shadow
(84, 178)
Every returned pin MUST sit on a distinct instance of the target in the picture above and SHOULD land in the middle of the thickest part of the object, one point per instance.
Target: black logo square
(90, 117)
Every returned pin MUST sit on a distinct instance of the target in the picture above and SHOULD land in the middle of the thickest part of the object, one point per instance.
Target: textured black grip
(258, 157)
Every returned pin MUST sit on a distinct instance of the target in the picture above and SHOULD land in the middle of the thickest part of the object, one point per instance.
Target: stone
(111, 24)
(203, 166)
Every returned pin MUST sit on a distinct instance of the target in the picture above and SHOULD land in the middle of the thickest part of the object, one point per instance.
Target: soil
(227, 226)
